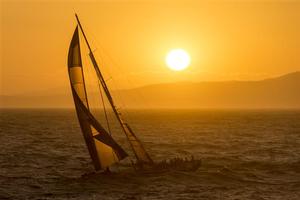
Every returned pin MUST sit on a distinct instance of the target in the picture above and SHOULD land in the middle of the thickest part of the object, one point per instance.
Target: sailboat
(102, 147)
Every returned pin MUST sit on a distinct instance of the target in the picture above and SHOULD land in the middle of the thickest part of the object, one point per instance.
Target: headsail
(136, 145)
(103, 150)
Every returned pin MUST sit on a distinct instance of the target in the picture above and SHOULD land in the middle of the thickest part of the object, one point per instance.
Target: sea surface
(246, 154)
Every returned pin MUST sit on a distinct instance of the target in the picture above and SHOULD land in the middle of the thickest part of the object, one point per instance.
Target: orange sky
(244, 40)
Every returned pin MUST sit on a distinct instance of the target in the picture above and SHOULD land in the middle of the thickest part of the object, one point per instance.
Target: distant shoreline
(276, 93)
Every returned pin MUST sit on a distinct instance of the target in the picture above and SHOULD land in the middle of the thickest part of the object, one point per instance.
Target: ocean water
(245, 155)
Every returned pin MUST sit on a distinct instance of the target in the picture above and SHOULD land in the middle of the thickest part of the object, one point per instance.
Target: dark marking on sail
(103, 136)
(108, 141)
(87, 121)
(74, 60)
(88, 135)
(138, 149)
(136, 145)
(74, 56)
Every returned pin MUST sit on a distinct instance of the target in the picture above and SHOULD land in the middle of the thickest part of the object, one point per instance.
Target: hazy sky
(244, 40)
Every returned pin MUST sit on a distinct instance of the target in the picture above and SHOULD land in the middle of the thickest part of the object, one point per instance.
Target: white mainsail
(103, 150)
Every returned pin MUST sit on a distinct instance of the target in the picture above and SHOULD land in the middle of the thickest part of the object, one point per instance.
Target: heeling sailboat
(103, 149)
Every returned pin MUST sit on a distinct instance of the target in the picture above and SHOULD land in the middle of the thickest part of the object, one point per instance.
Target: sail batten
(104, 151)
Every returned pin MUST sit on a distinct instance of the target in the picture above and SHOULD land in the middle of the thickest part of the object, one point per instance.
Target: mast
(104, 151)
(136, 145)
(99, 74)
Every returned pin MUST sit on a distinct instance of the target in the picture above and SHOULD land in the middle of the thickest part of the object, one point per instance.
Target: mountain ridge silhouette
(278, 92)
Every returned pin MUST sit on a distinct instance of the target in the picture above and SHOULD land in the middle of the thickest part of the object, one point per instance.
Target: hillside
(280, 92)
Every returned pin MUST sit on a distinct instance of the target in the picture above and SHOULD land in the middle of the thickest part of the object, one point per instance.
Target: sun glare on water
(178, 59)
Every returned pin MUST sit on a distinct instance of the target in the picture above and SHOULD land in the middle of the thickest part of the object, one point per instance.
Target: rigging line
(106, 117)
(117, 93)
(124, 126)
(100, 91)
(100, 76)
(128, 80)
(107, 122)
(118, 68)
(138, 95)
(104, 108)
(95, 97)
(91, 83)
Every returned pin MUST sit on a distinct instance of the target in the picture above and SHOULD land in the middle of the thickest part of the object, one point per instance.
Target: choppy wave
(245, 155)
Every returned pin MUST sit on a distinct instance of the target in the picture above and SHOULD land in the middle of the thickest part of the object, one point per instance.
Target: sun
(178, 59)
